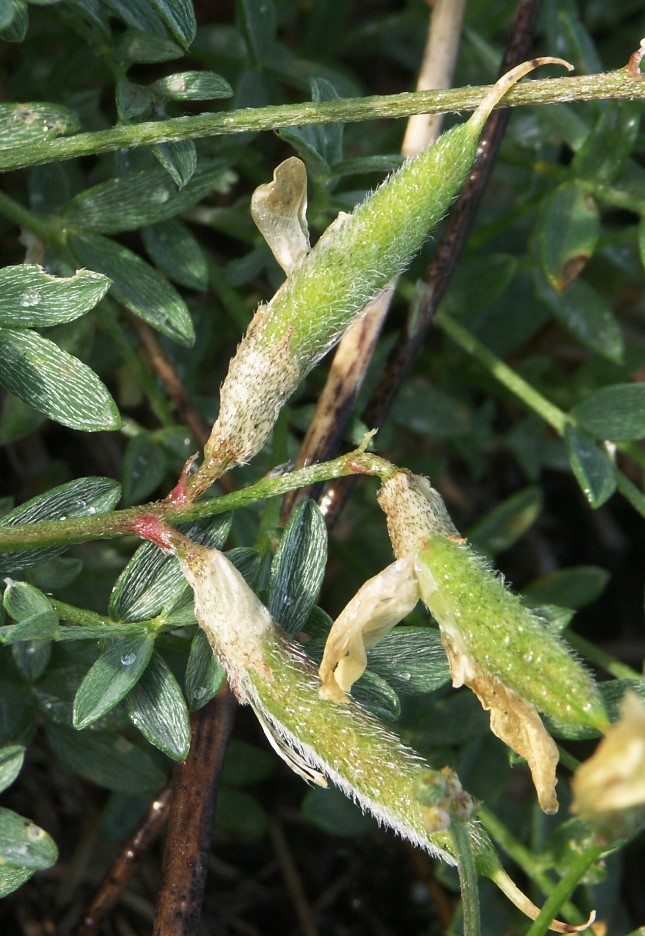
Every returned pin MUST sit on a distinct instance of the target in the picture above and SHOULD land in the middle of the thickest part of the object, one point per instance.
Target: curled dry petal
(279, 210)
(515, 722)
(609, 788)
(373, 611)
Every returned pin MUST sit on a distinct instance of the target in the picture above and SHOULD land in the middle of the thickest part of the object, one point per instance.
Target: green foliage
(142, 262)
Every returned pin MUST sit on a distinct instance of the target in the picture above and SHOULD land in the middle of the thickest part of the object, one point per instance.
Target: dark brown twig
(184, 406)
(458, 227)
(191, 820)
(125, 865)
(292, 879)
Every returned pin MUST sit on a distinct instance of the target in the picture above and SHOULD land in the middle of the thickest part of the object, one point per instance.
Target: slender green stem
(467, 878)
(534, 400)
(631, 493)
(524, 859)
(119, 522)
(137, 367)
(25, 218)
(80, 616)
(557, 899)
(617, 84)
(568, 760)
(503, 373)
(601, 658)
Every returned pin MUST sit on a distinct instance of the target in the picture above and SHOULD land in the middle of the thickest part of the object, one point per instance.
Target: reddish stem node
(150, 527)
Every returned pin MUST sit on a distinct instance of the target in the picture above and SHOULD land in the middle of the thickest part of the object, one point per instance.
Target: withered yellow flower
(609, 788)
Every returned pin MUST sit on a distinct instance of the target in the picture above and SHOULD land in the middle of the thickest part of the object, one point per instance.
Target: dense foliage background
(551, 281)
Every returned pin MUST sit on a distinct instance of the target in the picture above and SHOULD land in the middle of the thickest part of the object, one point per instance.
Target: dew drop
(128, 659)
(200, 693)
(34, 832)
(160, 196)
(406, 676)
(30, 298)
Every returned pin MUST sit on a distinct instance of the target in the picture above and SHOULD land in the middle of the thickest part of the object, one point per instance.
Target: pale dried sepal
(260, 379)
(377, 606)
(513, 720)
(518, 724)
(414, 511)
(609, 788)
(279, 211)
(282, 744)
(233, 618)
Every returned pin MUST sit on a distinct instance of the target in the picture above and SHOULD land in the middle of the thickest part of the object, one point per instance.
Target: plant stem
(80, 616)
(624, 83)
(25, 218)
(601, 658)
(191, 819)
(550, 413)
(124, 866)
(631, 493)
(22, 536)
(524, 858)
(467, 878)
(563, 889)
(503, 373)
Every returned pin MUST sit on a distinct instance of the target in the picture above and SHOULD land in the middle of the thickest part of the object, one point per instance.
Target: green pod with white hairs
(327, 288)
(319, 739)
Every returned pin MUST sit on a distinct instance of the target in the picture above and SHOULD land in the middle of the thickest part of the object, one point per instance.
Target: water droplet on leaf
(160, 196)
(30, 298)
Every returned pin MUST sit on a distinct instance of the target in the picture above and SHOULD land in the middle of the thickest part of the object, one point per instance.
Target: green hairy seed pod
(321, 740)
(485, 621)
(325, 291)
(504, 636)
(515, 664)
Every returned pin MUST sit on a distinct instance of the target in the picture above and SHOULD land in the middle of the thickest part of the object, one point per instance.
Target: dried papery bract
(324, 293)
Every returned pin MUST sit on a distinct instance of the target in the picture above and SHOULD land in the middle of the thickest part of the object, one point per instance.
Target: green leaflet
(24, 124)
(111, 677)
(32, 298)
(11, 758)
(137, 285)
(179, 16)
(157, 707)
(23, 844)
(54, 382)
(146, 196)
